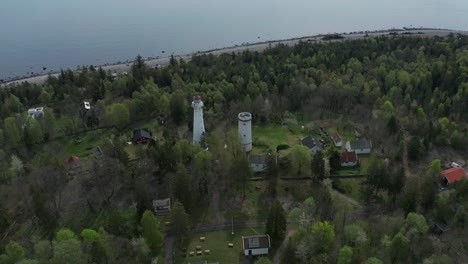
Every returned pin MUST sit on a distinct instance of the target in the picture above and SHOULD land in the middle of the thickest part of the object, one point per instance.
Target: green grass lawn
(251, 207)
(90, 140)
(269, 137)
(217, 243)
(350, 187)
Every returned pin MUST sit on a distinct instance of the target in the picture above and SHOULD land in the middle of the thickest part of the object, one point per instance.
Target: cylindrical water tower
(198, 124)
(245, 130)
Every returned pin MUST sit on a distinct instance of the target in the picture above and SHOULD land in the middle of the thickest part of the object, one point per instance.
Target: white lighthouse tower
(245, 130)
(198, 124)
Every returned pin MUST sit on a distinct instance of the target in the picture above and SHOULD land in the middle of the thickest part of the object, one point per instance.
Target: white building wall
(348, 164)
(348, 146)
(258, 167)
(198, 123)
(256, 251)
(362, 151)
(245, 130)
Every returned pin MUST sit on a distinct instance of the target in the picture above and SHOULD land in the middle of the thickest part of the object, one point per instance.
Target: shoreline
(256, 46)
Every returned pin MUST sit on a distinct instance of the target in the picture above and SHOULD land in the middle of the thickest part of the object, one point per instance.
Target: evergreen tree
(151, 232)
(318, 166)
(183, 187)
(334, 158)
(180, 219)
(276, 224)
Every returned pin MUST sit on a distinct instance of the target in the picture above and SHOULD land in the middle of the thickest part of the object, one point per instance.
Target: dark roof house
(141, 136)
(313, 144)
(256, 245)
(162, 206)
(360, 146)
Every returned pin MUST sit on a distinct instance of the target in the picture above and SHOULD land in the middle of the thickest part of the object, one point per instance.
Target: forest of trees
(406, 94)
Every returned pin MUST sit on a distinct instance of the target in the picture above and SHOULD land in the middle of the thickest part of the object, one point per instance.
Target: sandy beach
(124, 67)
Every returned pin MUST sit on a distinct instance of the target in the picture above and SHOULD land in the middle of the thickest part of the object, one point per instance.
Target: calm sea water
(61, 33)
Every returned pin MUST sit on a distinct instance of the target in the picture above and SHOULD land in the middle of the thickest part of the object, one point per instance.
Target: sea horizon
(49, 36)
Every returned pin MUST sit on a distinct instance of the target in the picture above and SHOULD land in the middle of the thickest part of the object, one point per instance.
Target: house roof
(360, 144)
(257, 159)
(336, 137)
(311, 142)
(162, 202)
(348, 157)
(73, 159)
(454, 174)
(253, 242)
(141, 133)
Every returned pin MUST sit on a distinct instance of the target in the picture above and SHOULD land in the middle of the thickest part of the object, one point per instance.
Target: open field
(217, 242)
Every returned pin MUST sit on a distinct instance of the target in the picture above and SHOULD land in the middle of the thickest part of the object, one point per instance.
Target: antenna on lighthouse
(198, 123)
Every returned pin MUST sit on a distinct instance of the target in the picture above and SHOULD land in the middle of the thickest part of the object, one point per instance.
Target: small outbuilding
(162, 206)
(337, 140)
(313, 144)
(73, 163)
(453, 175)
(256, 245)
(258, 163)
(141, 136)
(359, 146)
(349, 159)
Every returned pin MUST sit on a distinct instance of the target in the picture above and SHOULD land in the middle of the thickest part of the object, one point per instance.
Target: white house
(359, 146)
(337, 140)
(258, 163)
(256, 245)
(162, 206)
(36, 113)
(313, 144)
(349, 159)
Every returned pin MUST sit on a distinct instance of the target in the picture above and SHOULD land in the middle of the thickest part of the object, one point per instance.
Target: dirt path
(279, 252)
(347, 198)
(219, 216)
(169, 249)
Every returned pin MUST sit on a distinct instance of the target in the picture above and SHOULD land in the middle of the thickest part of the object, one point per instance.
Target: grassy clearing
(349, 187)
(85, 144)
(217, 242)
(251, 207)
(269, 137)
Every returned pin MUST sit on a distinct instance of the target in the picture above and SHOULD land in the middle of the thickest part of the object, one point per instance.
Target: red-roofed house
(337, 139)
(453, 174)
(73, 163)
(349, 159)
